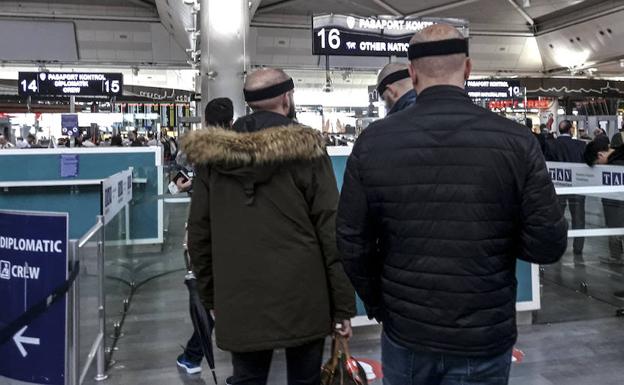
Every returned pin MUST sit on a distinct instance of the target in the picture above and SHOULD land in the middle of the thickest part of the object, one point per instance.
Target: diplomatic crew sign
(69, 84)
(33, 263)
(341, 35)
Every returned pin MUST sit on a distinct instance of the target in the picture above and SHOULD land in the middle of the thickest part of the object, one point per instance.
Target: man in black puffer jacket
(438, 202)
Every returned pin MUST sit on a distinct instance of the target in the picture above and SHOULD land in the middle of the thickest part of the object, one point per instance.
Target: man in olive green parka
(262, 237)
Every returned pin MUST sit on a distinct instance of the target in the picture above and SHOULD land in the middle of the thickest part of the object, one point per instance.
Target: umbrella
(202, 321)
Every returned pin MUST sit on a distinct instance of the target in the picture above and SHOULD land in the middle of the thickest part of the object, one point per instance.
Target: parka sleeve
(200, 237)
(544, 228)
(322, 197)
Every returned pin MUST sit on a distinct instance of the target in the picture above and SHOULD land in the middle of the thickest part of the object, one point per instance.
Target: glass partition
(588, 282)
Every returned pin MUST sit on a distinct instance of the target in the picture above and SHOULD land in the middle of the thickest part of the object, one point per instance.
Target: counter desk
(69, 180)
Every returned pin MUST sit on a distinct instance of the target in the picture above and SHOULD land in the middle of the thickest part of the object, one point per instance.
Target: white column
(224, 26)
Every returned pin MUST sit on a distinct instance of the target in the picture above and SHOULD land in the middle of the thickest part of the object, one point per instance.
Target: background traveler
(395, 87)
(568, 150)
(262, 236)
(218, 113)
(618, 138)
(116, 141)
(438, 202)
(4, 143)
(599, 132)
(599, 152)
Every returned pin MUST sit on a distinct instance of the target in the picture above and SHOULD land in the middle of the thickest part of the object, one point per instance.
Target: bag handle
(345, 346)
(335, 352)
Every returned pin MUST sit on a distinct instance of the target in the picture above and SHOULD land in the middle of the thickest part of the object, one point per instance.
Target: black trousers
(577, 212)
(614, 218)
(303, 364)
(193, 351)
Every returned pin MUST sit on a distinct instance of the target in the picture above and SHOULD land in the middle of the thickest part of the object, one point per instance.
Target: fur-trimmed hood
(275, 145)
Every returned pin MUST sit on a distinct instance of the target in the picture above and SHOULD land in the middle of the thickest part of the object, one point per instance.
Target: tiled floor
(577, 339)
(579, 353)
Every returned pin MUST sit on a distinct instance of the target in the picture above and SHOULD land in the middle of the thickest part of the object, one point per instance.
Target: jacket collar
(404, 101)
(274, 145)
(260, 120)
(443, 92)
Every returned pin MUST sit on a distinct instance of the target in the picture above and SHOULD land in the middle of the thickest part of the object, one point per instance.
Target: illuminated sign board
(531, 104)
(341, 35)
(69, 84)
(494, 89)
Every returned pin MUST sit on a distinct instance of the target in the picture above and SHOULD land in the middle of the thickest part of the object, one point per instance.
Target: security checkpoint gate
(33, 287)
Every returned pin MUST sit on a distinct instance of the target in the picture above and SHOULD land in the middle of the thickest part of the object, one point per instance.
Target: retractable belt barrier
(41, 307)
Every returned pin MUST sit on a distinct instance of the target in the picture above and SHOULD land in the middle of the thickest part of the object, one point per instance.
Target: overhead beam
(143, 4)
(277, 5)
(576, 14)
(440, 8)
(522, 12)
(61, 16)
(253, 8)
(304, 26)
(388, 7)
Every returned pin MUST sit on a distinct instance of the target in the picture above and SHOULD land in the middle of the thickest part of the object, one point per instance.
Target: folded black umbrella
(202, 321)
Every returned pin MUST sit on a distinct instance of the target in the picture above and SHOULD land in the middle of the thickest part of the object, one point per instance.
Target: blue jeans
(402, 366)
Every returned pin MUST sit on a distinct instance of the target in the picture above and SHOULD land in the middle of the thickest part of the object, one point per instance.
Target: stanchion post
(74, 301)
(101, 351)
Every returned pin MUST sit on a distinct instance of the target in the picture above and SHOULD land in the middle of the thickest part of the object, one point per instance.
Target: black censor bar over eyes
(269, 92)
(393, 77)
(438, 48)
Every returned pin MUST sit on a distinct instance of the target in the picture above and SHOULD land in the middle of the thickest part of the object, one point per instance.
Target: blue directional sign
(33, 263)
(69, 124)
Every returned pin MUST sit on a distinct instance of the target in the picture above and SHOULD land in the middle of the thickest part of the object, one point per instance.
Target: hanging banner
(69, 84)
(342, 35)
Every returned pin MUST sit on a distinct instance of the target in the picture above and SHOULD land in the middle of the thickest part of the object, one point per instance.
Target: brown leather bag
(342, 369)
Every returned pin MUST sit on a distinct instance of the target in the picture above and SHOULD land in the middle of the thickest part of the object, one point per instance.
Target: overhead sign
(69, 84)
(494, 89)
(341, 35)
(539, 104)
(33, 263)
(116, 194)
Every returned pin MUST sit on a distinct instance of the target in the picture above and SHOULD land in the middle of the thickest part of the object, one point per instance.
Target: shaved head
(266, 77)
(390, 69)
(394, 91)
(263, 78)
(447, 69)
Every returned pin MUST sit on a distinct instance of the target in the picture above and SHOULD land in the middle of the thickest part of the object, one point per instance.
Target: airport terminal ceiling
(508, 37)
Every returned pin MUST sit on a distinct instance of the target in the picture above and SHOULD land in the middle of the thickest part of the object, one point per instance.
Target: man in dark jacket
(395, 87)
(218, 113)
(568, 150)
(618, 138)
(438, 202)
(261, 236)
